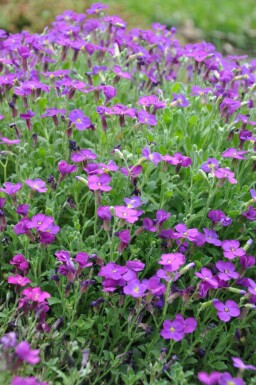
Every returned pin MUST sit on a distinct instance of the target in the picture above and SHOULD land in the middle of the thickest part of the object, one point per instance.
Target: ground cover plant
(127, 207)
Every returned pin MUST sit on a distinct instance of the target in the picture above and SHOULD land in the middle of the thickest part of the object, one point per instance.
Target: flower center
(136, 289)
(172, 329)
(78, 120)
(226, 309)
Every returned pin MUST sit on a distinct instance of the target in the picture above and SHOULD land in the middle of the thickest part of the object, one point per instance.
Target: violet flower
(24, 353)
(226, 310)
(232, 249)
(37, 185)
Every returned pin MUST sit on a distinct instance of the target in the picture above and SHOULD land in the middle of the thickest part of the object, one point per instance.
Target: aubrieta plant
(127, 207)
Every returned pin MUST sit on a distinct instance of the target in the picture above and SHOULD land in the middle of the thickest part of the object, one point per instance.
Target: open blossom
(145, 118)
(225, 173)
(18, 280)
(135, 288)
(172, 261)
(210, 165)
(211, 237)
(27, 381)
(65, 168)
(10, 188)
(226, 310)
(24, 353)
(100, 182)
(129, 215)
(232, 249)
(238, 363)
(20, 263)
(80, 121)
(226, 270)
(209, 379)
(154, 157)
(176, 329)
(35, 294)
(206, 276)
(37, 185)
(183, 232)
(82, 155)
(227, 379)
(235, 154)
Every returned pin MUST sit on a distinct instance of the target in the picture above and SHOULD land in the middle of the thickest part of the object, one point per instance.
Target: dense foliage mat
(127, 209)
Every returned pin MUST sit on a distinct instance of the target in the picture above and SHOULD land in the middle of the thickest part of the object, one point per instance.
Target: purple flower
(209, 379)
(125, 238)
(82, 155)
(65, 168)
(96, 8)
(154, 157)
(35, 294)
(227, 379)
(20, 263)
(104, 213)
(172, 261)
(112, 271)
(233, 153)
(226, 310)
(8, 141)
(183, 232)
(37, 185)
(253, 194)
(99, 182)
(10, 188)
(18, 280)
(133, 202)
(82, 259)
(229, 106)
(179, 100)
(129, 215)
(211, 237)
(252, 286)
(250, 213)
(25, 354)
(206, 276)
(23, 210)
(155, 287)
(9, 340)
(227, 270)
(135, 288)
(232, 249)
(27, 381)
(80, 121)
(198, 91)
(225, 173)
(120, 73)
(238, 363)
(173, 330)
(210, 165)
(145, 118)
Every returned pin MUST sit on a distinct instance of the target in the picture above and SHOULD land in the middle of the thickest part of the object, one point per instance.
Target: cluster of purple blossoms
(71, 268)
(176, 329)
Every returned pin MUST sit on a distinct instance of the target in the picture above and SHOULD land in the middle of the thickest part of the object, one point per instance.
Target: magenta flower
(252, 286)
(135, 288)
(112, 271)
(8, 141)
(226, 310)
(120, 73)
(20, 263)
(210, 165)
(183, 232)
(154, 157)
(100, 182)
(209, 379)
(9, 340)
(250, 213)
(179, 100)
(134, 202)
(25, 354)
(10, 188)
(27, 381)
(129, 215)
(206, 276)
(238, 363)
(233, 153)
(211, 237)
(198, 91)
(227, 271)
(35, 294)
(227, 379)
(96, 8)
(53, 112)
(82, 259)
(232, 249)
(125, 238)
(172, 261)
(18, 280)
(173, 330)
(225, 173)
(23, 210)
(104, 213)
(37, 185)
(80, 121)
(65, 168)
(145, 118)
(82, 155)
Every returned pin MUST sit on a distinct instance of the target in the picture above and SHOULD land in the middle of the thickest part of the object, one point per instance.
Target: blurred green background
(229, 24)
